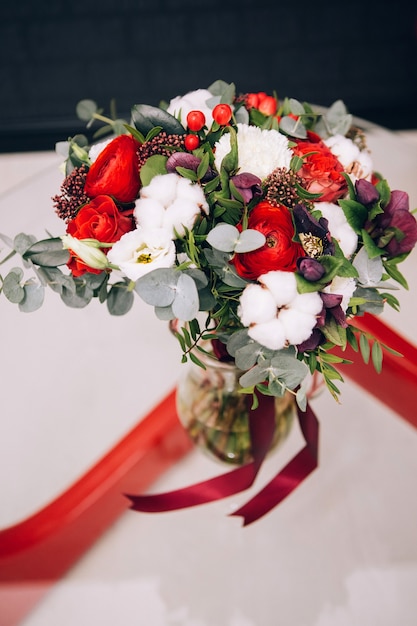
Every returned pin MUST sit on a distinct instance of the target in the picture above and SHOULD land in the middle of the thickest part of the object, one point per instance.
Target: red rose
(115, 172)
(101, 220)
(279, 252)
(321, 170)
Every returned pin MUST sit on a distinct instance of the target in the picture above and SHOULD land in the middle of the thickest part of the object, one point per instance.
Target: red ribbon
(262, 426)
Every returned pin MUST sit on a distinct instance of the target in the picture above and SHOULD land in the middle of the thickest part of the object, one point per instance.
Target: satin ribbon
(261, 426)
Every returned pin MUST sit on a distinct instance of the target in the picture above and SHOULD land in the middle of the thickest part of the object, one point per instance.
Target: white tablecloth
(340, 551)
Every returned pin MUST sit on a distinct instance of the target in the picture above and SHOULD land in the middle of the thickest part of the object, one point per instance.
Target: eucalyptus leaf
(223, 237)
(248, 240)
(55, 279)
(34, 294)
(292, 127)
(120, 299)
(247, 356)
(22, 243)
(255, 375)
(164, 313)
(12, 288)
(47, 253)
(146, 117)
(86, 109)
(158, 287)
(370, 270)
(186, 303)
(78, 299)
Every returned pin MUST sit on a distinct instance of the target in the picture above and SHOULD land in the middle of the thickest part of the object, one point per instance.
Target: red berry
(268, 105)
(191, 142)
(196, 120)
(222, 114)
(252, 100)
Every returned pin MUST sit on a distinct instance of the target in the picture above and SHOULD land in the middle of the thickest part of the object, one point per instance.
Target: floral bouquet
(258, 223)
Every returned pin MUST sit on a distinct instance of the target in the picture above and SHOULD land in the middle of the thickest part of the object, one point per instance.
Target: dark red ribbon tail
(262, 426)
(290, 477)
(206, 491)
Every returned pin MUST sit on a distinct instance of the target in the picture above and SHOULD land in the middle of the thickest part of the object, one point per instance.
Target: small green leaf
(12, 288)
(364, 348)
(155, 164)
(377, 356)
(85, 109)
(146, 117)
(120, 299)
(47, 253)
(33, 298)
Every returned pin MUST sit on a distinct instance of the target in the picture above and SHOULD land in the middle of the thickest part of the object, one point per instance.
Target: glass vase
(216, 415)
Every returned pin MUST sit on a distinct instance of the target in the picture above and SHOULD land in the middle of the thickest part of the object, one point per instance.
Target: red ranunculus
(321, 170)
(99, 219)
(279, 252)
(115, 172)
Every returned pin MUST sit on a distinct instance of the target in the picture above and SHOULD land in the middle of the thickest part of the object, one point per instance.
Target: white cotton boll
(282, 285)
(256, 305)
(309, 303)
(162, 188)
(339, 227)
(344, 287)
(149, 213)
(192, 101)
(179, 215)
(297, 325)
(193, 192)
(357, 163)
(269, 334)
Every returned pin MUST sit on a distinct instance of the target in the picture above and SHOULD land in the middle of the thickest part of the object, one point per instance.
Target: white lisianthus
(260, 152)
(87, 250)
(339, 227)
(357, 163)
(180, 106)
(343, 287)
(275, 314)
(170, 201)
(143, 250)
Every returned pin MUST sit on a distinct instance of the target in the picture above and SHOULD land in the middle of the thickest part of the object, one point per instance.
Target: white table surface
(340, 551)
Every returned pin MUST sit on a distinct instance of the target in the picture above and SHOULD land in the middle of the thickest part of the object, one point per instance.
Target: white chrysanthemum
(339, 227)
(143, 250)
(180, 106)
(357, 163)
(170, 201)
(344, 287)
(260, 152)
(97, 148)
(275, 313)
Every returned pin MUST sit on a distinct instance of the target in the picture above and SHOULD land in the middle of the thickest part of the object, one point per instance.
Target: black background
(54, 53)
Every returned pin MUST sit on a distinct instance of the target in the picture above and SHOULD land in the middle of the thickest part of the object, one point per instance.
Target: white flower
(192, 101)
(357, 163)
(143, 250)
(275, 313)
(87, 250)
(260, 152)
(96, 148)
(344, 287)
(170, 201)
(339, 227)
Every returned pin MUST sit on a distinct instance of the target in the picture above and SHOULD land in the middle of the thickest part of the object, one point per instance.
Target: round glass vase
(216, 415)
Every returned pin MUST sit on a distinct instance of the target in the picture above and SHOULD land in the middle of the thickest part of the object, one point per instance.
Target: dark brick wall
(54, 53)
